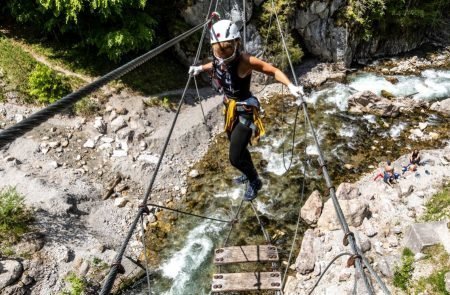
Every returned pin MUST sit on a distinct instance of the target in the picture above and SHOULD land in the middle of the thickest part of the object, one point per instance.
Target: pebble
(90, 143)
(194, 173)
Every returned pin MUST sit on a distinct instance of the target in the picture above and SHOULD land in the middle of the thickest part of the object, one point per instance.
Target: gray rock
(442, 106)
(306, 259)
(354, 212)
(18, 118)
(421, 235)
(90, 144)
(10, 272)
(194, 173)
(347, 191)
(312, 209)
(100, 125)
(84, 268)
(118, 123)
(120, 202)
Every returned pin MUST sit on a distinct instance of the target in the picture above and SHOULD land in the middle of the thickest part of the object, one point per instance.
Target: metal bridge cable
(232, 224)
(377, 277)
(187, 213)
(118, 259)
(19, 129)
(266, 235)
(244, 20)
(336, 204)
(326, 269)
(145, 254)
(298, 218)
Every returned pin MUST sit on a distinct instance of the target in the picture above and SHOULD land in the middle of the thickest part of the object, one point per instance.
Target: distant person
(415, 157)
(390, 177)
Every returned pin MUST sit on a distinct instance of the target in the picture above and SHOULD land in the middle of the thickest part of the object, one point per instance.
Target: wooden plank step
(252, 253)
(248, 281)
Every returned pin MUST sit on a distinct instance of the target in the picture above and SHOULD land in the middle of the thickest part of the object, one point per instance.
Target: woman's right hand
(195, 70)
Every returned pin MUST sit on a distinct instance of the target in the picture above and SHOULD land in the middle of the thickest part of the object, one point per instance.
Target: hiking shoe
(240, 179)
(252, 189)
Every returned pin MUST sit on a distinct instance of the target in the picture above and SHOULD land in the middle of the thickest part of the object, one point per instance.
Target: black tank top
(229, 81)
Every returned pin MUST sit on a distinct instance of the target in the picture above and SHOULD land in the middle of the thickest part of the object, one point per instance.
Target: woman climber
(231, 71)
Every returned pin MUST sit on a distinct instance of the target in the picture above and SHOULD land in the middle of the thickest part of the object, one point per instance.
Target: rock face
(312, 209)
(322, 37)
(10, 272)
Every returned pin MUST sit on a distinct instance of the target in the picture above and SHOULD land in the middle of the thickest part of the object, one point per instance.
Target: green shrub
(86, 107)
(46, 85)
(403, 273)
(438, 207)
(77, 285)
(14, 216)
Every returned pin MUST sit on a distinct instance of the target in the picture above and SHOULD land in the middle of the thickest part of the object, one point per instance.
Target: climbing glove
(195, 70)
(296, 90)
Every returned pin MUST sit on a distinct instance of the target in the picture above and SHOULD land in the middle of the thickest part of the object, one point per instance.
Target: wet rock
(392, 79)
(369, 102)
(306, 259)
(312, 209)
(387, 94)
(442, 107)
(11, 271)
(354, 212)
(347, 191)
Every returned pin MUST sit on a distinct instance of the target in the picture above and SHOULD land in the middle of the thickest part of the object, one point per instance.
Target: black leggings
(239, 154)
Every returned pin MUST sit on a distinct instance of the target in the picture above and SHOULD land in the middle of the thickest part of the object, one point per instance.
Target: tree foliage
(46, 85)
(395, 16)
(274, 50)
(114, 27)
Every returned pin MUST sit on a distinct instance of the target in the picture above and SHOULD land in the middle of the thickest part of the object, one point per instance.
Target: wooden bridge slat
(251, 253)
(249, 281)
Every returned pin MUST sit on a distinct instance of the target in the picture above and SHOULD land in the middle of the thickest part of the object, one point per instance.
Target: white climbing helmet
(224, 30)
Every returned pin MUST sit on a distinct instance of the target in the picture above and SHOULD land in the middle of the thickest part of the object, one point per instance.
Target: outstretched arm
(266, 68)
(256, 64)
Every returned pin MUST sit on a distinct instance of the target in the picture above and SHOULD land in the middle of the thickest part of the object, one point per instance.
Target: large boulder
(442, 107)
(369, 102)
(310, 212)
(354, 211)
(306, 259)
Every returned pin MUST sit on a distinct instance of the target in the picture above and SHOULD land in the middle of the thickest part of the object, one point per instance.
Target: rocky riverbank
(379, 215)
